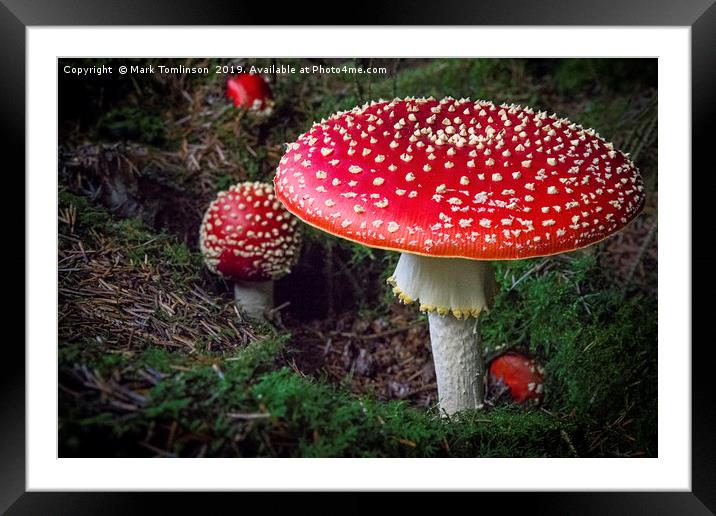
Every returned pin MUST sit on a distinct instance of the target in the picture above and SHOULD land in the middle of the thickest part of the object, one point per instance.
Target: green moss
(320, 421)
(92, 352)
(204, 394)
(178, 253)
(577, 76)
(224, 182)
(599, 348)
(131, 123)
(138, 242)
(330, 424)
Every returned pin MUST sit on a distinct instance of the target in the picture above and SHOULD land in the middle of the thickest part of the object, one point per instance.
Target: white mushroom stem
(254, 297)
(459, 363)
(454, 291)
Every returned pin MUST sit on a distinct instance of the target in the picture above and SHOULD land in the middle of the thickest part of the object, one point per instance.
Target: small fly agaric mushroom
(518, 373)
(250, 91)
(453, 184)
(248, 237)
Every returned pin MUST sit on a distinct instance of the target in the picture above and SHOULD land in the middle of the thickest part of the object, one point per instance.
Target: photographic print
(357, 257)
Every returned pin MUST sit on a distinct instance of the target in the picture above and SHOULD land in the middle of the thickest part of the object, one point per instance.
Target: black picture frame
(700, 15)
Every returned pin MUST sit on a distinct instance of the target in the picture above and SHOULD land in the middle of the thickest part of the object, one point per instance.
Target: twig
(396, 63)
(279, 308)
(566, 439)
(639, 256)
(356, 82)
(156, 450)
(534, 269)
(293, 365)
(249, 416)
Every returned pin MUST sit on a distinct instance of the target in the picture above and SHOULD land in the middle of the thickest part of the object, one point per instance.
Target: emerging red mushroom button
(452, 184)
(519, 374)
(250, 91)
(249, 238)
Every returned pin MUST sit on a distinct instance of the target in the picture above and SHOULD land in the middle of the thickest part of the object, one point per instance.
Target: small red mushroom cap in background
(247, 235)
(250, 91)
(519, 373)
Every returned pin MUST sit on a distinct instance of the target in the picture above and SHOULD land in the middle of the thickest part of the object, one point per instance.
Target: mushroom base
(459, 362)
(254, 297)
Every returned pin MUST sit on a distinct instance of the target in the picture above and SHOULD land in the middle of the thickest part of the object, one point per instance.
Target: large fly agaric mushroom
(453, 184)
(250, 91)
(518, 374)
(249, 238)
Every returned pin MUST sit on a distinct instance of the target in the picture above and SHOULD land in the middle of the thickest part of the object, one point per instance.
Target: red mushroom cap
(457, 178)
(247, 235)
(250, 91)
(520, 373)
